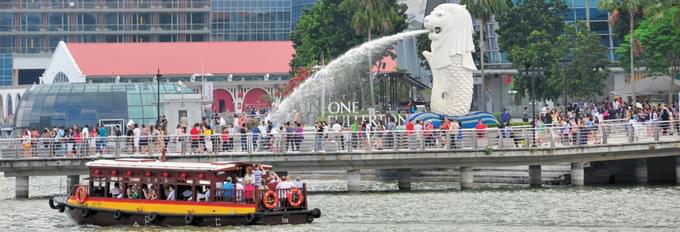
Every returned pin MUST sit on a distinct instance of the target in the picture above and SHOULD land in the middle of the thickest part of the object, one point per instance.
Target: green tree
(586, 72)
(483, 10)
(632, 7)
(322, 29)
(375, 16)
(658, 37)
(529, 31)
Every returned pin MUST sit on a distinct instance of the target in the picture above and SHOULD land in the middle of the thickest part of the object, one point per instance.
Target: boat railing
(247, 196)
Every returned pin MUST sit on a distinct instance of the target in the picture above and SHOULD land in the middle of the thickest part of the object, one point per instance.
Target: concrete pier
(404, 178)
(21, 187)
(535, 177)
(354, 180)
(466, 178)
(577, 177)
(677, 169)
(71, 180)
(641, 171)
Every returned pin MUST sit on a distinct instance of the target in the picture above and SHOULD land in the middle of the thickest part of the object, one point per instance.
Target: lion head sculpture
(451, 31)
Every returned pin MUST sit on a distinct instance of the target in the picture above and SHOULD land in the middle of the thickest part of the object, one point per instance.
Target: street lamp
(533, 73)
(158, 99)
(565, 62)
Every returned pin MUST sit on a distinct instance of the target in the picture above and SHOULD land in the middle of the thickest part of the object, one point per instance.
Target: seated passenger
(186, 195)
(133, 192)
(228, 189)
(150, 193)
(116, 192)
(298, 183)
(171, 193)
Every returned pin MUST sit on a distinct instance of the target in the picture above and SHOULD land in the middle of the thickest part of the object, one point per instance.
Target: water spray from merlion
(341, 68)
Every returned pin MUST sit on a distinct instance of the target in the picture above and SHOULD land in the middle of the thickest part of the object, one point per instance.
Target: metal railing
(343, 141)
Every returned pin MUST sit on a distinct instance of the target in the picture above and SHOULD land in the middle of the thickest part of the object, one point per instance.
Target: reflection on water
(488, 209)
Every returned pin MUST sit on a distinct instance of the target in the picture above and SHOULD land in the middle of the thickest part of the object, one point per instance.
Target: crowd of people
(578, 123)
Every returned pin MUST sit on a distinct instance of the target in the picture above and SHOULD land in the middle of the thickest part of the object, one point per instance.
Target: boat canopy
(156, 164)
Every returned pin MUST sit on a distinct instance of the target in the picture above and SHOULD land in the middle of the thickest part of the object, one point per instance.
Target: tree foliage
(529, 31)
(585, 72)
(659, 38)
(324, 28)
(301, 74)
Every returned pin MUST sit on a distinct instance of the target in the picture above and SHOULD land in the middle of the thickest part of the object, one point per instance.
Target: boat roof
(156, 164)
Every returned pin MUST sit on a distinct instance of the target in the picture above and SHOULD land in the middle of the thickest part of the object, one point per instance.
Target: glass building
(297, 7)
(87, 104)
(250, 20)
(5, 68)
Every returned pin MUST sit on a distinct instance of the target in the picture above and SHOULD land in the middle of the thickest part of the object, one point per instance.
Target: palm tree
(632, 7)
(483, 10)
(379, 16)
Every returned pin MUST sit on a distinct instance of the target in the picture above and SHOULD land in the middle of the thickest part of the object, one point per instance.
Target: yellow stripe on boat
(165, 207)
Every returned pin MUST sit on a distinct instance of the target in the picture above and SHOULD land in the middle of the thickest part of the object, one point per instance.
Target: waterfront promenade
(397, 150)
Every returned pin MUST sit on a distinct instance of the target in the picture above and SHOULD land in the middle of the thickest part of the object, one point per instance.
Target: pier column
(466, 178)
(535, 177)
(21, 187)
(677, 169)
(404, 176)
(71, 180)
(577, 177)
(641, 171)
(353, 180)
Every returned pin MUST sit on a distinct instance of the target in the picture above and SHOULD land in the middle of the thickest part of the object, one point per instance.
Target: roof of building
(155, 164)
(182, 58)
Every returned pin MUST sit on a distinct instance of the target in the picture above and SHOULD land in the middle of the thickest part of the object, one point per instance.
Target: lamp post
(565, 62)
(158, 99)
(533, 73)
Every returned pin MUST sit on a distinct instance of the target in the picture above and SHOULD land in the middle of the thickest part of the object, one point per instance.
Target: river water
(490, 208)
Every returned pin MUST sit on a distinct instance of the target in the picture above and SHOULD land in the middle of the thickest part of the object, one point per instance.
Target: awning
(659, 85)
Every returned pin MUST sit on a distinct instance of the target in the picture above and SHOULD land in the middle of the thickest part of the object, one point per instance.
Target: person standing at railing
(102, 137)
(35, 137)
(299, 136)
(665, 117)
(428, 133)
(480, 128)
(194, 136)
(84, 136)
(207, 137)
(505, 117)
(318, 136)
(410, 134)
(454, 132)
(418, 128)
(59, 141)
(70, 142)
(77, 140)
(26, 142)
(355, 133)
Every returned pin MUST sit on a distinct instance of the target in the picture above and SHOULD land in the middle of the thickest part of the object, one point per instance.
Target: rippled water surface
(495, 209)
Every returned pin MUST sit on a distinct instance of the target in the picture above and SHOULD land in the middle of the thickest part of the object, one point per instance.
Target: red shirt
(194, 133)
(409, 128)
(480, 129)
(446, 126)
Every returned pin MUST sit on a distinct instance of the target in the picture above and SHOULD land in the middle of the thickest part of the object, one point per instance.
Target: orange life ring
(270, 199)
(298, 195)
(81, 194)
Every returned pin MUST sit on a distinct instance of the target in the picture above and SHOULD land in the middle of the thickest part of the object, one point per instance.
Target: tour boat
(117, 191)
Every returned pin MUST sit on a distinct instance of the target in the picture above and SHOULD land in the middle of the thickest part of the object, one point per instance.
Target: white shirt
(171, 196)
(116, 192)
(298, 184)
(337, 128)
(85, 133)
(137, 132)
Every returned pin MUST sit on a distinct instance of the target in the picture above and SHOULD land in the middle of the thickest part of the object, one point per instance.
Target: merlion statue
(450, 60)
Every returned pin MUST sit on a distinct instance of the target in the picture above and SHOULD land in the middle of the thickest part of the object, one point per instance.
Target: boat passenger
(228, 189)
(249, 175)
(116, 192)
(186, 195)
(249, 191)
(239, 190)
(257, 174)
(150, 193)
(203, 196)
(171, 193)
(298, 183)
(133, 192)
(282, 189)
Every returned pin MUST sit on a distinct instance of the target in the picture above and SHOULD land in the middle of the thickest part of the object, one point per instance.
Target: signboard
(348, 112)
(207, 90)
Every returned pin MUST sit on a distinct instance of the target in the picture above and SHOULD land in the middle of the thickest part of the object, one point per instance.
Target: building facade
(31, 29)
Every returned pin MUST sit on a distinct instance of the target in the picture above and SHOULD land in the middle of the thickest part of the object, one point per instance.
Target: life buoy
(297, 194)
(51, 203)
(270, 199)
(151, 217)
(117, 215)
(189, 219)
(81, 194)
